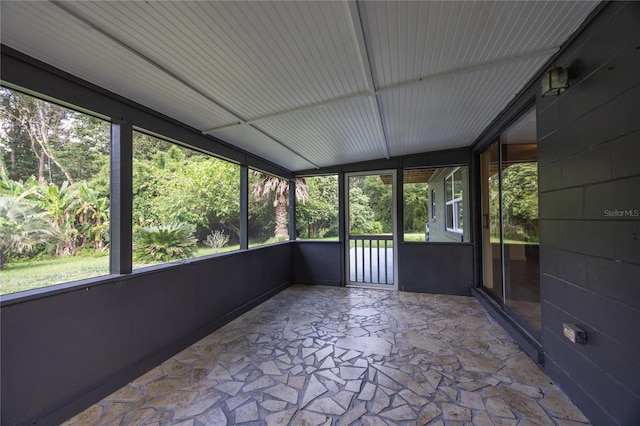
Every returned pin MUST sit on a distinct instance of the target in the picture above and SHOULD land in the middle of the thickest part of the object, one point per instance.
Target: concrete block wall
(589, 176)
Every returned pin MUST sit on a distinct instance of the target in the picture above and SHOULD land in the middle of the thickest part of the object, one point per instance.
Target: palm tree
(267, 185)
(22, 227)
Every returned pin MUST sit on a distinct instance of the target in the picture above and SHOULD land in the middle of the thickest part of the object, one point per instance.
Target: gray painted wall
(64, 351)
(318, 262)
(443, 268)
(589, 162)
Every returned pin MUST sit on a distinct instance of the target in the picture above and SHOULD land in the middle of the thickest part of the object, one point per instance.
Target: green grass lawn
(419, 237)
(22, 276)
(496, 240)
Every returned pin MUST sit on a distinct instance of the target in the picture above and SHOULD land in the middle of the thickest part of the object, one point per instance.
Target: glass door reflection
(519, 192)
(509, 203)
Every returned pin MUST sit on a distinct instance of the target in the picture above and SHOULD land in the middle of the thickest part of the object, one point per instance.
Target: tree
(379, 194)
(91, 213)
(318, 216)
(205, 192)
(43, 123)
(174, 184)
(361, 216)
(267, 186)
(17, 158)
(22, 227)
(57, 201)
(520, 201)
(416, 206)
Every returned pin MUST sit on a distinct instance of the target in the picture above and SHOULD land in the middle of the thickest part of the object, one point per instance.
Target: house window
(433, 204)
(453, 202)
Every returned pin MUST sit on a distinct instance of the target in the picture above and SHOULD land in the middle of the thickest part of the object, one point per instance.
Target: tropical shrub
(22, 228)
(164, 243)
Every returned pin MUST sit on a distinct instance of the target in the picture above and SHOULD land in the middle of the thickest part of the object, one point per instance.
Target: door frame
(394, 226)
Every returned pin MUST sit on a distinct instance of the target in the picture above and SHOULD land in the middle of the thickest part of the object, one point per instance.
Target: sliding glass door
(491, 234)
(510, 243)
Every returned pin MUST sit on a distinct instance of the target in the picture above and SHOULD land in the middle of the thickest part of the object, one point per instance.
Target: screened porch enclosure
(402, 99)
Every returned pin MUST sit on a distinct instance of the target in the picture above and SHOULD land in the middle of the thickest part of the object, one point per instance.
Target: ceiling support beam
(364, 60)
(171, 74)
(331, 101)
(470, 69)
(144, 57)
(365, 66)
(455, 72)
(284, 145)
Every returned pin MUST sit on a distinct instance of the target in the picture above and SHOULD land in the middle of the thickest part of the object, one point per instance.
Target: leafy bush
(216, 240)
(333, 232)
(164, 243)
(22, 228)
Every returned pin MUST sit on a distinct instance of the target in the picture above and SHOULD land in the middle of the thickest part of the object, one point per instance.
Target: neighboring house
(448, 194)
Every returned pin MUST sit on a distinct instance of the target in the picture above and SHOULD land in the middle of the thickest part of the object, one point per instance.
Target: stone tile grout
(324, 355)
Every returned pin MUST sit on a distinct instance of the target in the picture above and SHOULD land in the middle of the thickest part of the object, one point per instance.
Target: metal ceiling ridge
(278, 114)
(171, 74)
(142, 56)
(365, 67)
(420, 80)
(287, 147)
(364, 61)
(470, 68)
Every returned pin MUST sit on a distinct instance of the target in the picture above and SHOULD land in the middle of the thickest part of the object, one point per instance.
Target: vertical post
(399, 225)
(343, 193)
(370, 261)
(397, 202)
(386, 263)
(502, 157)
(292, 209)
(244, 207)
(121, 214)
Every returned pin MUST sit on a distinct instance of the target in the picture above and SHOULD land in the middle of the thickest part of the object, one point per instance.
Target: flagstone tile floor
(315, 355)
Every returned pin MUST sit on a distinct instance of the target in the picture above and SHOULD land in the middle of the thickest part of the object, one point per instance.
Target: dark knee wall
(589, 171)
(65, 351)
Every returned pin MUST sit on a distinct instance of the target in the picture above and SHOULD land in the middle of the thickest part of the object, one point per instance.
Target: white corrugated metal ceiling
(305, 84)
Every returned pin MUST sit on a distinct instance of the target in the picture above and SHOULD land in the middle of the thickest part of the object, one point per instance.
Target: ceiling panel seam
(402, 85)
(365, 65)
(284, 145)
(278, 114)
(306, 84)
(174, 76)
(146, 58)
(545, 52)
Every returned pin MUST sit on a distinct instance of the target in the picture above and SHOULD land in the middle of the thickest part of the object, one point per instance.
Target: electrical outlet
(574, 333)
